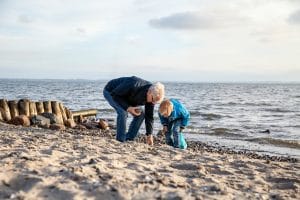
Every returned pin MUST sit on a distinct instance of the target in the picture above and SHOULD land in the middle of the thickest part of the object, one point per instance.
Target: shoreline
(91, 164)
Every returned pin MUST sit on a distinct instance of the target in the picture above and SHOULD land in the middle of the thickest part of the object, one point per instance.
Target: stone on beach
(59, 127)
(22, 120)
(51, 116)
(40, 121)
(70, 123)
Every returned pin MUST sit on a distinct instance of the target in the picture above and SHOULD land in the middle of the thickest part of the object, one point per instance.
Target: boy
(174, 117)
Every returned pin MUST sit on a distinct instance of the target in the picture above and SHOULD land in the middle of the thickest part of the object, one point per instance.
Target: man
(127, 94)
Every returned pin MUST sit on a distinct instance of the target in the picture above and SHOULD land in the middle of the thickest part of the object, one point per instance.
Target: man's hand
(135, 111)
(149, 140)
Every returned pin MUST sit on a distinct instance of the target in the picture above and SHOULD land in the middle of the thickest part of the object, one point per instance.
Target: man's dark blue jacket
(132, 91)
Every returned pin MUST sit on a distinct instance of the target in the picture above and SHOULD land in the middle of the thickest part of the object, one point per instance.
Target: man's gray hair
(158, 91)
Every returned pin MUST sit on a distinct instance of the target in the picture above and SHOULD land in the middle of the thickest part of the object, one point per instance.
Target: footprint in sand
(21, 182)
(137, 167)
(184, 166)
(53, 192)
(217, 170)
(283, 183)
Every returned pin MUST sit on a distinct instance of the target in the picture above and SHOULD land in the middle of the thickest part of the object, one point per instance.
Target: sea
(259, 117)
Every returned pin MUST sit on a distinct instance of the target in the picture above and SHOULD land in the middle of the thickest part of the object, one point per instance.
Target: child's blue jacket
(179, 112)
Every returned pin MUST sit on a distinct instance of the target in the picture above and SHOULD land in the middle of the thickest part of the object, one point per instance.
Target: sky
(170, 40)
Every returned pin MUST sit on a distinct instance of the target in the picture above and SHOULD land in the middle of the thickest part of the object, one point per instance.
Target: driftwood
(85, 113)
(57, 112)
(39, 107)
(14, 110)
(5, 110)
(32, 109)
(47, 106)
(24, 107)
(78, 115)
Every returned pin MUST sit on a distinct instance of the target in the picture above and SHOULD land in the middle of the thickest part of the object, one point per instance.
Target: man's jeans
(122, 116)
(172, 134)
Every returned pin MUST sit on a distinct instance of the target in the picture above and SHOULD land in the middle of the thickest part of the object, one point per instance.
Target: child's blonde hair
(166, 108)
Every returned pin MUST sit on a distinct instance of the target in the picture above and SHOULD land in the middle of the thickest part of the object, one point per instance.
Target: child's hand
(182, 128)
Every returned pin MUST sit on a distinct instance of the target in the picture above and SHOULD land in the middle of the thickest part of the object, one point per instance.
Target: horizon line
(168, 81)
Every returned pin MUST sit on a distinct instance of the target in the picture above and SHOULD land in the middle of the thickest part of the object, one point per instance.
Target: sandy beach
(40, 163)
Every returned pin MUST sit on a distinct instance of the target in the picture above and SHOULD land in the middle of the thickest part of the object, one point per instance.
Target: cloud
(183, 21)
(25, 19)
(294, 18)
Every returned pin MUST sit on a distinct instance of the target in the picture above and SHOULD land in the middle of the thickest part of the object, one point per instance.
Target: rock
(103, 124)
(92, 161)
(174, 196)
(210, 188)
(51, 116)
(90, 125)
(41, 121)
(58, 127)
(70, 123)
(22, 120)
(275, 196)
(80, 127)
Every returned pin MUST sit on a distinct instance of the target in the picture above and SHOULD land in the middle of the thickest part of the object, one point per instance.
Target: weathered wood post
(24, 107)
(69, 113)
(1, 118)
(32, 109)
(5, 110)
(14, 110)
(47, 106)
(56, 111)
(39, 107)
(63, 112)
(70, 121)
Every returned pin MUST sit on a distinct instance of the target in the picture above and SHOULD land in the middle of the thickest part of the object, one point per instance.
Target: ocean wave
(210, 116)
(279, 110)
(245, 104)
(257, 104)
(225, 132)
(276, 142)
(106, 110)
(206, 116)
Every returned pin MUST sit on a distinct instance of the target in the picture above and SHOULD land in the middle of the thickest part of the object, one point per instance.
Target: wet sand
(74, 164)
